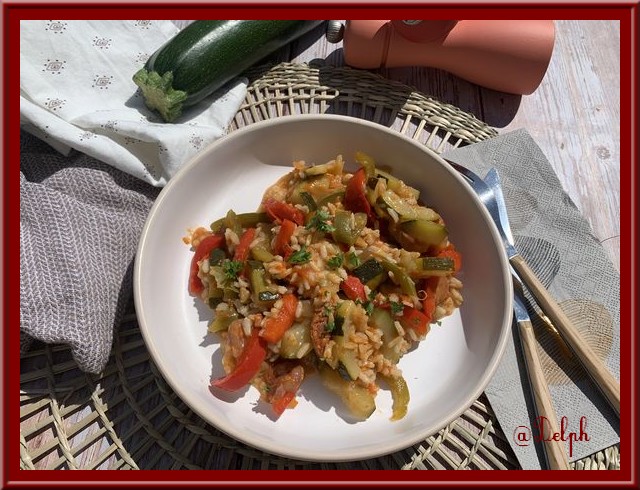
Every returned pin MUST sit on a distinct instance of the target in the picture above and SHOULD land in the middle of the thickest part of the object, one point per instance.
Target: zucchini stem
(158, 93)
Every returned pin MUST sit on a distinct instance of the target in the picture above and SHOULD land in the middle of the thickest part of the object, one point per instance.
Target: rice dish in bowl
(337, 273)
(445, 371)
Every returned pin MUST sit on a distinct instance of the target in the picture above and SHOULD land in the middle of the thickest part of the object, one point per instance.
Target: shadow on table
(497, 109)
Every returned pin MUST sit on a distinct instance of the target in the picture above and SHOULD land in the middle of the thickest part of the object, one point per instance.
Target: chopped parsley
(336, 261)
(367, 305)
(396, 308)
(319, 221)
(331, 324)
(231, 269)
(302, 256)
(353, 259)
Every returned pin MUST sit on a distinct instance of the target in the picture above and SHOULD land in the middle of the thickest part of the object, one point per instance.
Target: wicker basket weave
(129, 418)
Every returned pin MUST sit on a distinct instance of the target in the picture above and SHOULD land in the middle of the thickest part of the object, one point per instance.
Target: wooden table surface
(574, 115)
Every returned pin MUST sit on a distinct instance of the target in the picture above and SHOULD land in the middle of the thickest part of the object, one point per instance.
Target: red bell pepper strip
(429, 302)
(203, 249)
(353, 288)
(280, 404)
(282, 390)
(242, 250)
(247, 366)
(280, 211)
(281, 246)
(414, 319)
(275, 326)
(355, 197)
(450, 252)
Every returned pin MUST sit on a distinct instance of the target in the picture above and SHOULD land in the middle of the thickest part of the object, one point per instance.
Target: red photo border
(14, 11)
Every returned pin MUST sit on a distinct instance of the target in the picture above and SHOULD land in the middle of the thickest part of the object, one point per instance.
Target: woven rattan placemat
(129, 418)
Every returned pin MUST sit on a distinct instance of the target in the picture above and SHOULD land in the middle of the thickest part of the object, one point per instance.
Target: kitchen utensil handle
(547, 421)
(609, 386)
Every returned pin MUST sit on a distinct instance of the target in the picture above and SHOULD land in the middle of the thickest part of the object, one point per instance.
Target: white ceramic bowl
(445, 374)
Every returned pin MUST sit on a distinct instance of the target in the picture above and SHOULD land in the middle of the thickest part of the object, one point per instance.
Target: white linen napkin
(76, 91)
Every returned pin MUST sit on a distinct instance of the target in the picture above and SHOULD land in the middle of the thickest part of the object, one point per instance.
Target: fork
(604, 380)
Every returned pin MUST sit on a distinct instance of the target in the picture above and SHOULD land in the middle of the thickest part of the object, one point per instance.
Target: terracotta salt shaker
(506, 55)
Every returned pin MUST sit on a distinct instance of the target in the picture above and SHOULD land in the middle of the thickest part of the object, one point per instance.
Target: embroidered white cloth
(76, 91)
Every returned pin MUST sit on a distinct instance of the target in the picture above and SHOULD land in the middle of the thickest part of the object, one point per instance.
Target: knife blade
(493, 181)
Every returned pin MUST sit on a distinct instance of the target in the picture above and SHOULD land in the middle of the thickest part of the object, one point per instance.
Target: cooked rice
(318, 284)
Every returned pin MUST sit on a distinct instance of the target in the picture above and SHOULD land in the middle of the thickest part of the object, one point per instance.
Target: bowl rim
(272, 447)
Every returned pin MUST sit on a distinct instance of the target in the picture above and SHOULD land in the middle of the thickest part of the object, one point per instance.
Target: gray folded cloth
(80, 220)
(556, 241)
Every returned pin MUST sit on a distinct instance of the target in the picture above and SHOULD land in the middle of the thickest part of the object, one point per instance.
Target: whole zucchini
(205, 55)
